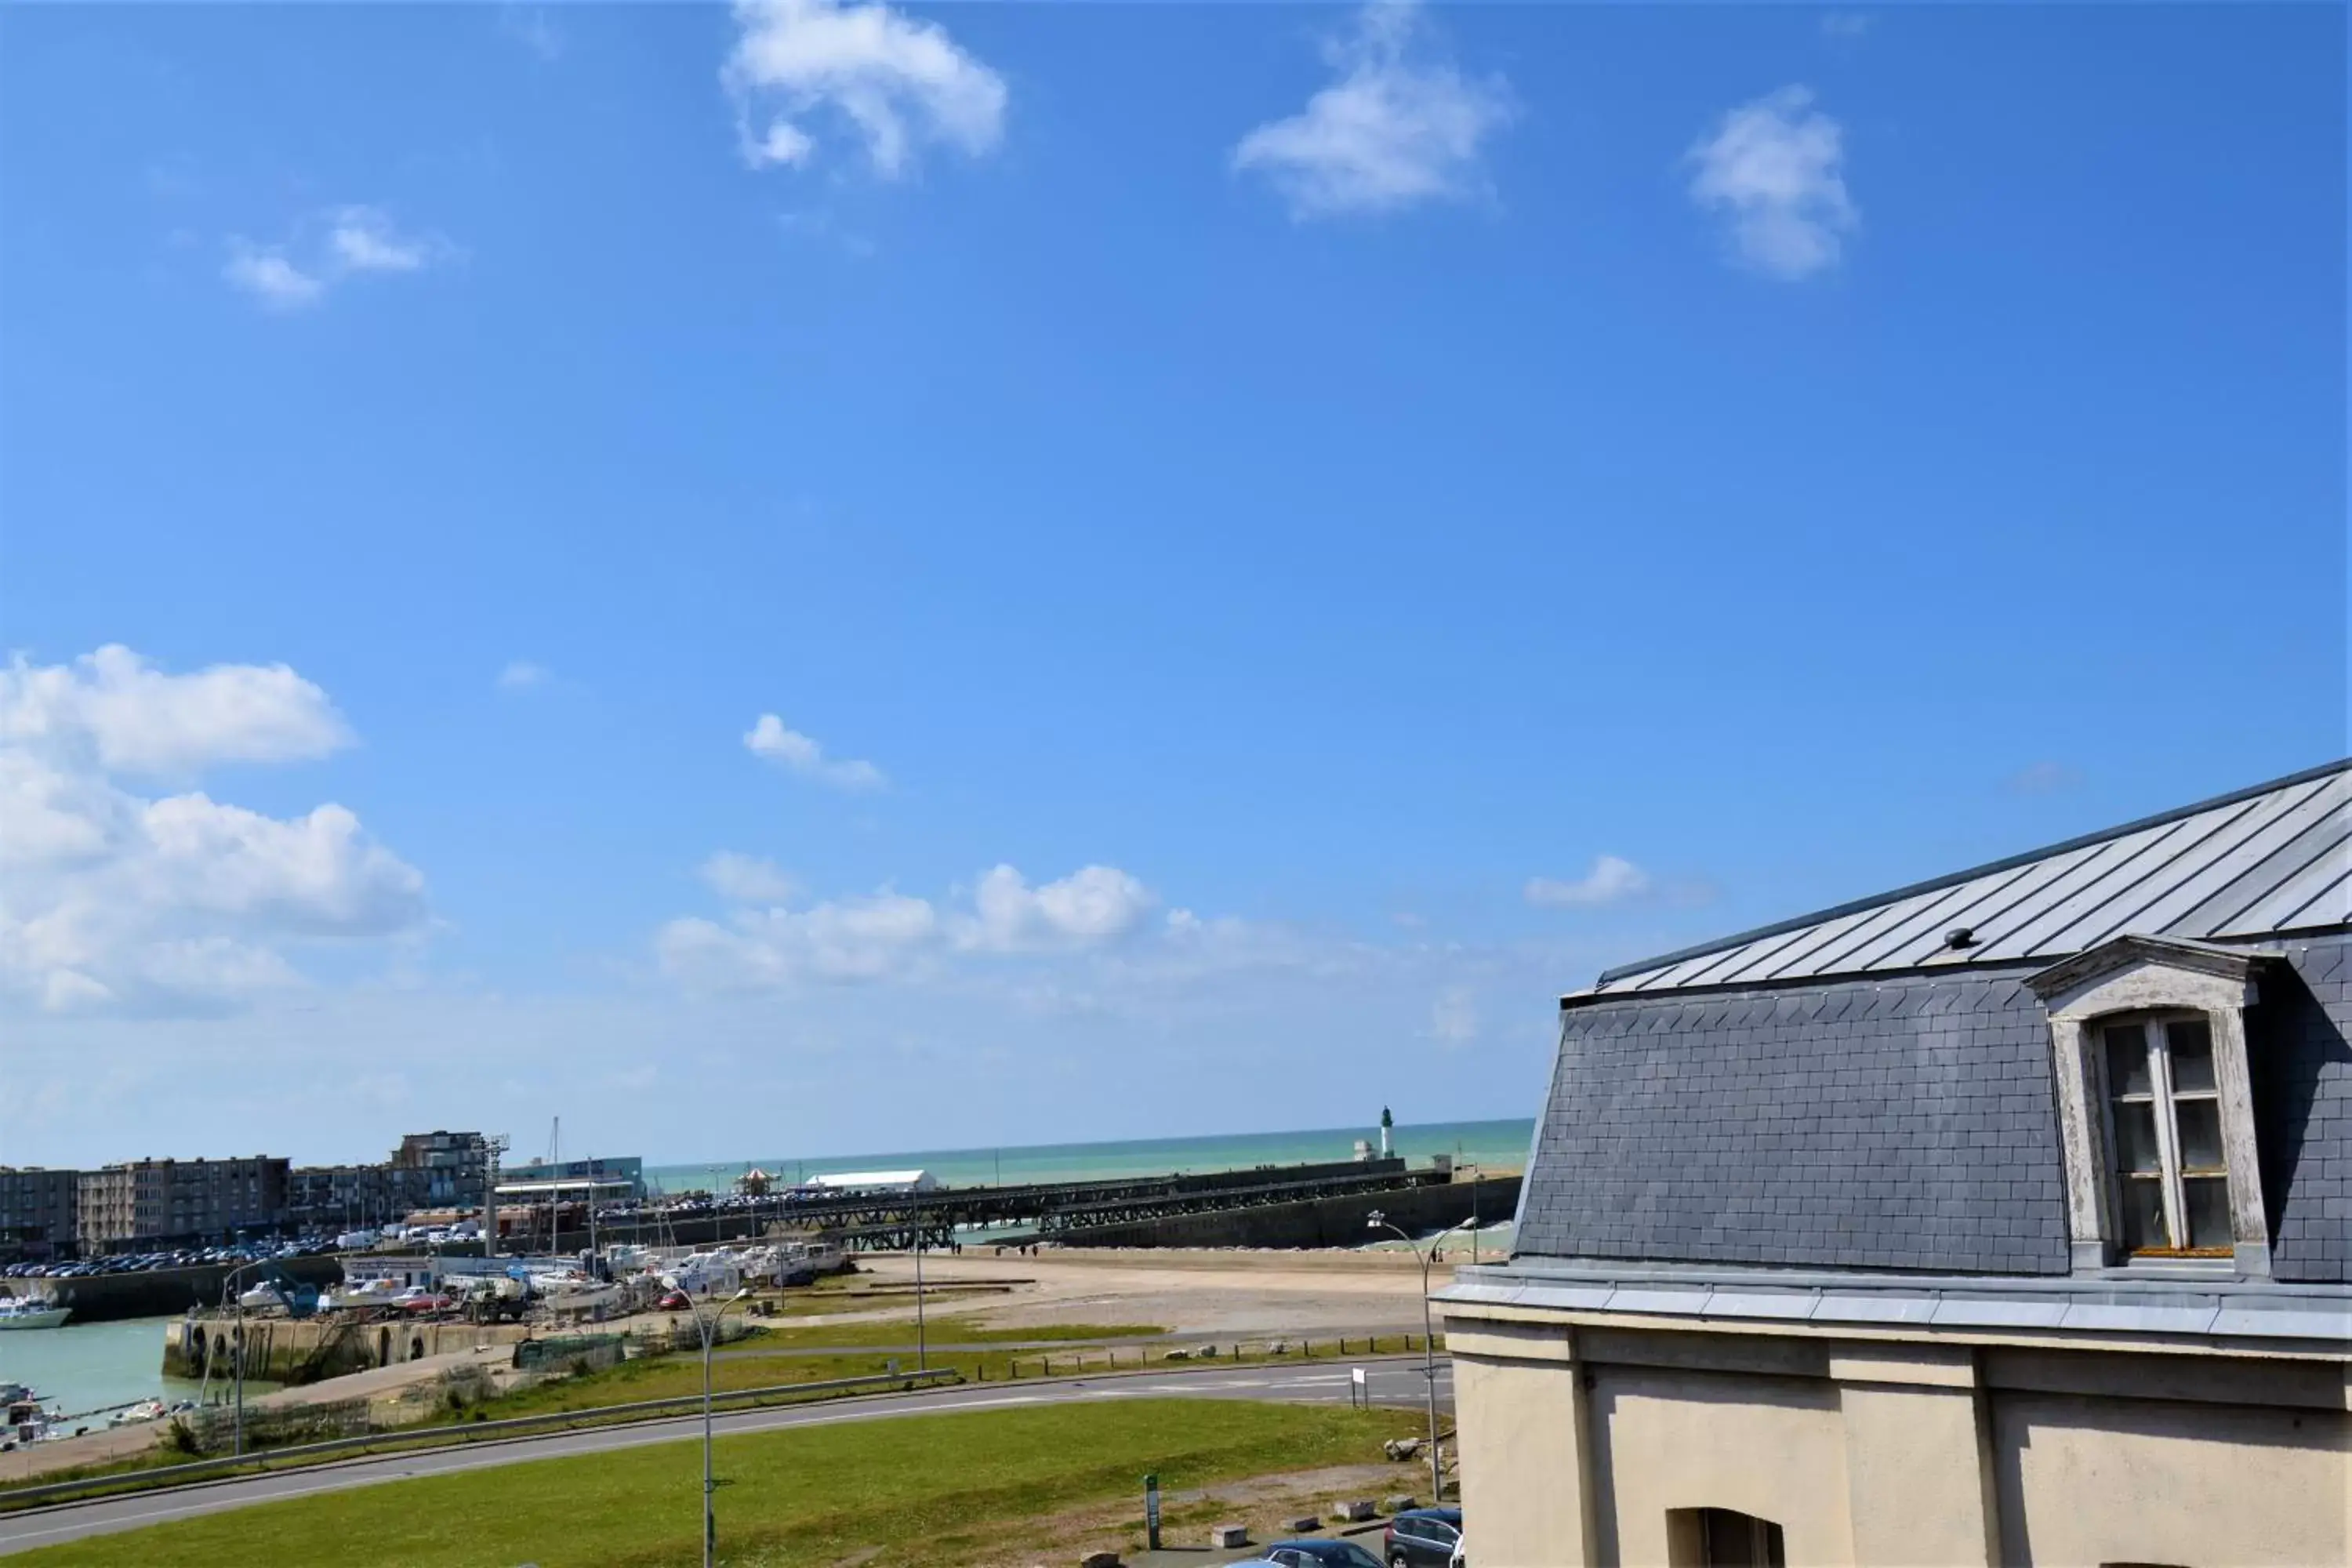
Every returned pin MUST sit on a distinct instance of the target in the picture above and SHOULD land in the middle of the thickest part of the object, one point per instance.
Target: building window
(1722, 1538)
(2164, 1105)
(2156, 1107)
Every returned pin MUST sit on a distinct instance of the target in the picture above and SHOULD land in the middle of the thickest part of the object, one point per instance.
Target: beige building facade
(2004, 1219)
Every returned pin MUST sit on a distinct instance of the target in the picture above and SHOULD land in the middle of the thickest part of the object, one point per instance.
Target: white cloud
(125, 715)
(521, 675)
(362, 239)
(1775, 169)
(890, 935)
(893, 81)
(796, 753)
(114, 899)
(852, 940)
(1398, 128)
(269, 278)
(1454, 1018)
(747, 878)
(1611, 880)
(1091, 906)
(327, 249)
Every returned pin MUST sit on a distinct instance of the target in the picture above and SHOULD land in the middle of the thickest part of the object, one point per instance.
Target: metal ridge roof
(2255, 862)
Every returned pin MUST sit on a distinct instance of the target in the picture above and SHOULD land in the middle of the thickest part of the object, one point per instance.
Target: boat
(31, 1312)
(24, 1421)
(131, 1414)
(365, 1293)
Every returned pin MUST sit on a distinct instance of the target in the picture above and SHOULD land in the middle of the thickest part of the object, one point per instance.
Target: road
(1389, 1382)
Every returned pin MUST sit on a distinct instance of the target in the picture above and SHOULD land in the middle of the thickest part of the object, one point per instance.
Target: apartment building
(37, 1210)
(174, 1200)
(443, 1170)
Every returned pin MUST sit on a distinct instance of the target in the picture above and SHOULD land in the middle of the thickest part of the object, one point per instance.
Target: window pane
(2127, 1058)
(2201, 1134)
(2192, 1055)
(2209, 1211)
(2143, 1214)
(2135, 1137)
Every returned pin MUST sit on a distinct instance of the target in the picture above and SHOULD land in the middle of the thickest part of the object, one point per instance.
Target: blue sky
(818, 577)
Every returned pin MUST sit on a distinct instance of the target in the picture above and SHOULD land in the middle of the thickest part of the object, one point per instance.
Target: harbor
(152, 1334)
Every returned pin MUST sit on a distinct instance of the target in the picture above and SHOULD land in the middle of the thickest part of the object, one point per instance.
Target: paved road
(1390, 1383)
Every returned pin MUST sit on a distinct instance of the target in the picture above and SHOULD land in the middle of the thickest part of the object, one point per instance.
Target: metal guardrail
(195, 1470)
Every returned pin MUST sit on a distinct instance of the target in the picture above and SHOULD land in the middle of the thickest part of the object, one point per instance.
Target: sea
(95, 1366)
(1496, 1146)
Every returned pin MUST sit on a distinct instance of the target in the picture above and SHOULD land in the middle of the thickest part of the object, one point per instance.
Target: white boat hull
(37, 1318)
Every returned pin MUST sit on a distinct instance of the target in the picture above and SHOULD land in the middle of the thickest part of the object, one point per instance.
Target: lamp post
(709, 1326)
(1379, 1221)
(921, 1341)
(228, 1299)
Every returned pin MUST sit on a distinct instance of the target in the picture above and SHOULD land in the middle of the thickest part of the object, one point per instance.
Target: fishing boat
(31, 1312)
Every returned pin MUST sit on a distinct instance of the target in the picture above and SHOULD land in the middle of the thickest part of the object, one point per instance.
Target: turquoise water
(1496, 1145)
(92, 1366)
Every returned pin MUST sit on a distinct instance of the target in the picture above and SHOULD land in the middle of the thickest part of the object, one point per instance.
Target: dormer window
(2148, 1040)
(2164, 1108)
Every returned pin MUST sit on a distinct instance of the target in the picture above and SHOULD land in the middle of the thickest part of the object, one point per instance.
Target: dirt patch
(1254, 1294)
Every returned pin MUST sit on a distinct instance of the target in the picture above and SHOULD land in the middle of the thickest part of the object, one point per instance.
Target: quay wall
(309, 1350)
(110, 1298)
(1315, 1222)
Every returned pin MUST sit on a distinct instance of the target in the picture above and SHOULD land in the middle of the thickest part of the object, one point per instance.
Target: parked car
(1423, 1538)
(675, 1302)
(1319, 1554)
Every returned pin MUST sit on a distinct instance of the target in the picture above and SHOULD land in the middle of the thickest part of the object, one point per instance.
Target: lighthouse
(1387, 1122)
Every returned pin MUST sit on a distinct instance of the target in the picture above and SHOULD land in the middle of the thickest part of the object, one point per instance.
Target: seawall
(309, 1350)
(1342, 1221)
(108, 1298)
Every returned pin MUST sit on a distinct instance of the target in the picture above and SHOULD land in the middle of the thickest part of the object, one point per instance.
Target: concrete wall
(1578, 1444)
(1315, 1222)
(279, 1348)
(2091, 1481)
(1774, 1448)
(108, 1298)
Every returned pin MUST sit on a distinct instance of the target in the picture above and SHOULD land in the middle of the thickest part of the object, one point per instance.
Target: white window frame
(2164, 1096)
(2135, 978)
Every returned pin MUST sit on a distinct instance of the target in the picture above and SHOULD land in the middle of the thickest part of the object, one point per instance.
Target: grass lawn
(670, 1376)
(933, 1489)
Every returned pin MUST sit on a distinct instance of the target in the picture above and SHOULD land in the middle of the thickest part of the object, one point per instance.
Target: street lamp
(709, 1326)
(227, 1282)
(1376, 1220)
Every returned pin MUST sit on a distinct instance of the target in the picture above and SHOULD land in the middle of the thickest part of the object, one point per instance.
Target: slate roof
(2259, 863)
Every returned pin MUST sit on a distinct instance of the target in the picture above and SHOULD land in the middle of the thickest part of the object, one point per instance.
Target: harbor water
(86, 1367)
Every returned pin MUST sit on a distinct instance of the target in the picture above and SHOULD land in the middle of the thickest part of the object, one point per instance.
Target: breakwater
(895, 1221)
(1337, 1220)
